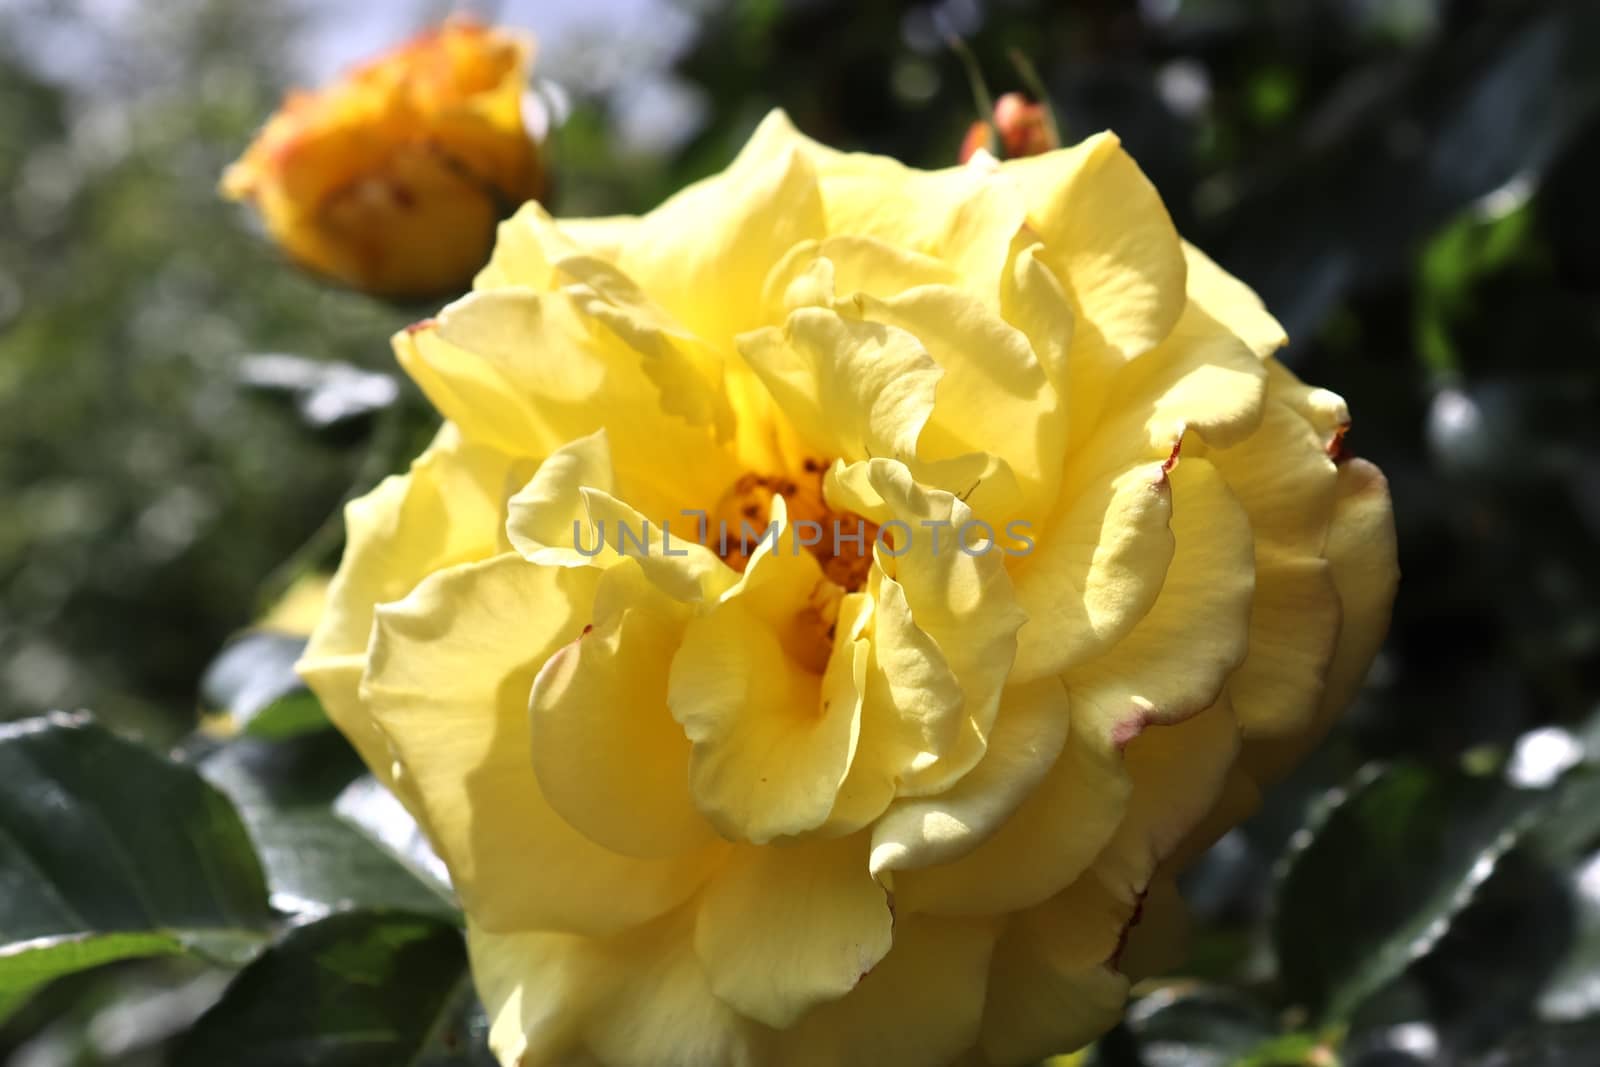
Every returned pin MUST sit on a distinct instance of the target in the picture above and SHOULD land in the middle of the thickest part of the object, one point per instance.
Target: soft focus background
(1411, 185)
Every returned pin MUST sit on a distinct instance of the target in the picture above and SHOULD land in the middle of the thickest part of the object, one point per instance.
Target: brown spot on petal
(1127, 928)
(1127, 729)
(1172, 457)
(1336, 447)
(422, 324)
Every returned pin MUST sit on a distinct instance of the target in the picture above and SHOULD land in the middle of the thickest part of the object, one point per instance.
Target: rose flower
(392, 180)
(908, 792)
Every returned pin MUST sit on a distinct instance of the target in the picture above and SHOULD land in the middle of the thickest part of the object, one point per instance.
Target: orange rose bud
(1024, 126)
(392, 179)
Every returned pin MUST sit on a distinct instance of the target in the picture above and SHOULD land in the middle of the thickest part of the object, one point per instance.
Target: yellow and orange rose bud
(1019, 128)
(1058, 569)
(392, 180)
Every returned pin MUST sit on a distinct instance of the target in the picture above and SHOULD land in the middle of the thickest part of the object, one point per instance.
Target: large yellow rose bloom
(392, 180)
(893, 801)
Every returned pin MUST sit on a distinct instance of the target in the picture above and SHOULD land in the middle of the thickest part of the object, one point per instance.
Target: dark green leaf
(1570, 1045)
(315, 860)
(1573, 991)
(108, 852)
(1197, 1026)
(1375, 882)
(253, 682)
(367, 805)
(357, 989)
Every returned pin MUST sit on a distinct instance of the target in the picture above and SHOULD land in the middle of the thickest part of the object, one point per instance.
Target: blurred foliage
(1409, 183)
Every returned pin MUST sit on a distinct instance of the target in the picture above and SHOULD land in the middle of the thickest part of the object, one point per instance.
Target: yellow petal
(1095, 570)
(1157, 941)
(958, 590)
(456, 491)
(609, 756)
(666, 553)
(1294, 625)
(639, 997)
(546, 519)
(1284, 479)
(993, 396)
(782, 930)
(816, 273)
(449, 677)
(1363, 555)
(1231, 302)
(772, 741)
(1035, 302)
(922, 1004)
(473, 363)
(703, 255)
(1026, 741)
(1049, 841)
(1175, 661)
(1051, 989)
(852, 389)
(1178, 771)
(958, 215)
(529, 372)
(1108, 238)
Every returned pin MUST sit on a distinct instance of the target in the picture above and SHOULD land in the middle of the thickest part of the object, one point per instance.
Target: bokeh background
(1411, 185)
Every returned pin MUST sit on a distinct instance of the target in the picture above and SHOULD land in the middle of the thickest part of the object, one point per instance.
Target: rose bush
(391, 180)
(896, 803)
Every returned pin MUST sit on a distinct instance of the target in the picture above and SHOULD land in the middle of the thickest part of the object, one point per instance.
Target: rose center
(839, 540)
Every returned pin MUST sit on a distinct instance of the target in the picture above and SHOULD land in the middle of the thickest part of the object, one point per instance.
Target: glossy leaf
(315, 860)
(109, 852)
(1189, 1025)
(1375, 883)
(252, 681)
(357, 989)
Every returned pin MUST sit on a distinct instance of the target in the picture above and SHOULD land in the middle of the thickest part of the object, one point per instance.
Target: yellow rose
(391, 181)
(901, 801)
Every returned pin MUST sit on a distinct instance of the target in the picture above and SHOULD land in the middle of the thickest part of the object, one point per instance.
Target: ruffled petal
(770, 747)
(1178, 771)
(639, 997)
(1026, 741)
(546, 519)
(703, 255)
(608, 754)
(1095, 570)
(1294, 625)
(993, 395)
(852, 389)
(923, 1003)
(1233, 303)
(782, 930)
(1052, 988)
(443, 512)
(1109, 240)
(1363, 557)
(1049, 841)
(1176, 660)
(449, 678)
(960, 595)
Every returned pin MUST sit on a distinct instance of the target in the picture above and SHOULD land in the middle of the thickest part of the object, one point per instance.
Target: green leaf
(316, 861)
(356, 989)
(1375, 882)
(253, 682)
(369, 806)
(109, 852)
(1572, 992)
(1548, 1046)
(1196, 1025)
